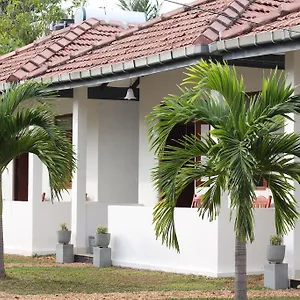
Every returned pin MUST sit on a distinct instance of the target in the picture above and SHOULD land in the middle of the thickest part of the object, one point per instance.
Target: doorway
(20, 178)
(186, 197)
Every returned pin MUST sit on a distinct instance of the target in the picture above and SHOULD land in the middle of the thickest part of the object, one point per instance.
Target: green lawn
(45, 280)
(40, 275)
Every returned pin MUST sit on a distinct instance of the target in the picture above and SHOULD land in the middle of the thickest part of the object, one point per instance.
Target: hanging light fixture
(129, 93)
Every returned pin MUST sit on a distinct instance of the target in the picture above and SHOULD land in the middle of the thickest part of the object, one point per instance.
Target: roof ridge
(34, 43)
(221, 23)
(38, 61)
(282, 10)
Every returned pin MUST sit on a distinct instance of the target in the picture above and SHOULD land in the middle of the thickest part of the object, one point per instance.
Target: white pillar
(35, 175)
(93, 141)
(292, 240)
(78, 217)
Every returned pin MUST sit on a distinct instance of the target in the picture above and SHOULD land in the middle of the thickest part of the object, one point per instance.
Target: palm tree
(27, 125)
(246, 143)
(152, 10)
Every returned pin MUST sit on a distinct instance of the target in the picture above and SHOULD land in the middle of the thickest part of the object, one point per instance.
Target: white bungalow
(92, 64)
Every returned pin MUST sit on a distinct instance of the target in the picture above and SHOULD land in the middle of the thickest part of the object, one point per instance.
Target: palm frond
(286, 213)
(224, 80)
(245, 143)
(29, 127)
(178, 110)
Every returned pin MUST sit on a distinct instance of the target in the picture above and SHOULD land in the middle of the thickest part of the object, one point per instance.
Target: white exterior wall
(17, 227)
(207, 248)
(111, 178)
(292, 240)
(152, 91)
(118, 152)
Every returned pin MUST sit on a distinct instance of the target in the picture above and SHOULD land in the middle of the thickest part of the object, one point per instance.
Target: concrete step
(83, 258)
(294, 283)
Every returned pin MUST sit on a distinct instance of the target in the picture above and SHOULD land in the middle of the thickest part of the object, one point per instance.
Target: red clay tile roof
(93, 44)
(54, 49)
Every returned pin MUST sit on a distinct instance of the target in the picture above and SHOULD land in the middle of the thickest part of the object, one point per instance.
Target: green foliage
(101, 229)
(276, 240)
(63, 226)
(246, 142)
(22, 22)
(27, 125)
(152, 10)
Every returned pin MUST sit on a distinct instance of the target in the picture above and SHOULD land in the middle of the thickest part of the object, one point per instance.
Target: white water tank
(99, 13)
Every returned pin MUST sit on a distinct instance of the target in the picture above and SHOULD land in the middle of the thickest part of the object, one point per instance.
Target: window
(65, 123)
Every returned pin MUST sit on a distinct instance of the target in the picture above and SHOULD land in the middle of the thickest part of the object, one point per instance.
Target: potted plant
(102, 237)
(275, 251)
(64, 234)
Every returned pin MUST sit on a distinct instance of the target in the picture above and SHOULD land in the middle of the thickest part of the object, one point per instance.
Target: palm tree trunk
(2, 270)
(240, 270)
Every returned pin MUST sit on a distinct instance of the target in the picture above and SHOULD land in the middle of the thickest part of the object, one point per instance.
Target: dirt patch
(50, 264)
(153, 295)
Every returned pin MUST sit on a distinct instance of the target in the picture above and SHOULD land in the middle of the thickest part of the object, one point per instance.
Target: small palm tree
(246, 143)
(152, 10)
(27, 125)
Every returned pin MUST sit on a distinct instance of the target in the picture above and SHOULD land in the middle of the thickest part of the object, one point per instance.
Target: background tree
(31, 129)
(246, 143)
(22, 22)
(149, 7)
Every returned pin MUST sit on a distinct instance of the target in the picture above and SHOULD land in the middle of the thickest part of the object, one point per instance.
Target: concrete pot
(275, 253)
(63, 236)
(102, 240)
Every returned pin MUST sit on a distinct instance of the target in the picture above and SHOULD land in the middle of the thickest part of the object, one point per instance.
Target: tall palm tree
(149, 7)
(245, 144)
(27, 125)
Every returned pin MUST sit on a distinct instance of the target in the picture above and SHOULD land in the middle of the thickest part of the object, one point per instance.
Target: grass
(34, 276)
(40, 275)
(45, 280)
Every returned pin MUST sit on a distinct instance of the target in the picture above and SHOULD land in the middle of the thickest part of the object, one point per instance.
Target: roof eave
(142, 66)
(249, 45)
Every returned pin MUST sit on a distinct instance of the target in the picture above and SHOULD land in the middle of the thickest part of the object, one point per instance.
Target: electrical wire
(223, 14)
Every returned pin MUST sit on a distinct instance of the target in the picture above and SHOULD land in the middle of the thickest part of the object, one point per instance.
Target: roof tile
(266, 18)
(17, 76)
(237, 7)
(93, 44)
(85, 26)
(71, 36)
(38, 60)
(235, 31)
(78, 31)
(56, 47)
(287, 8)
(92, 22)
(63, 42)
(29, 67)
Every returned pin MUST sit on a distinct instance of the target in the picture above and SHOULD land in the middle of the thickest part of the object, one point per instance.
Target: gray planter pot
(102, 240)
(63, 236)
(275, 254)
